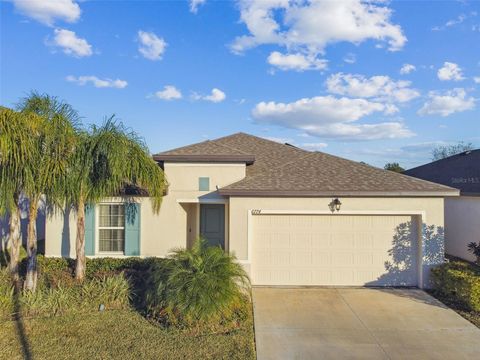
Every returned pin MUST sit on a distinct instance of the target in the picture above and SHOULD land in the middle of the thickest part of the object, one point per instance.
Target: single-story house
(291, 216)
(462, 214)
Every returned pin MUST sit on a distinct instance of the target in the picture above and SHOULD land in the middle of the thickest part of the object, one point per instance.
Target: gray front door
(212, 224)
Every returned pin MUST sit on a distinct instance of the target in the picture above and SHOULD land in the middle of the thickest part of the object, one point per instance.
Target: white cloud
(195, 4)
(151, 46)
(298, 62)
(331, 117)
(48, 11)
(447, 103)
(458, 20)
(70, 43)
(476, 79)
(380, 88)
(169, 92)
(309, 27)
(215, 96)
(407, 69)
(350, 58)
(98, 83)
(450, 71)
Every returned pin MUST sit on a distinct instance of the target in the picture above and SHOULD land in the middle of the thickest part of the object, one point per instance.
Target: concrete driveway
(348, 323)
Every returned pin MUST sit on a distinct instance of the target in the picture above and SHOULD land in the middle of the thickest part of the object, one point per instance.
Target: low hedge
(460, 281)
(113, 282)
(95, 268)
(111, 292)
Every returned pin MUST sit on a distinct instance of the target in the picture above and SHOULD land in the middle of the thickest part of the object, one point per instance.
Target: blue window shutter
(90, 230)
(132, 229)
(203, 184)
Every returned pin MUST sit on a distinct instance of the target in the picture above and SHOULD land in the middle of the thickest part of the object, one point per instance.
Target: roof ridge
(229, 147)
(261, 138)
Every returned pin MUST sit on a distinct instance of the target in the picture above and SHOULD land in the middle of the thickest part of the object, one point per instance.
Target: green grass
(122, 334)
(453, 303)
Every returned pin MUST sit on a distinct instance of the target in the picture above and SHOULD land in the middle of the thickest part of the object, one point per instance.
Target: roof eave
(248, 159)
(308, 193)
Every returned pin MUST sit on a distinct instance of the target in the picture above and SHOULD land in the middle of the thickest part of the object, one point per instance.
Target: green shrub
(202, 284)
(460, 281)
(100, 267)
(113, 292)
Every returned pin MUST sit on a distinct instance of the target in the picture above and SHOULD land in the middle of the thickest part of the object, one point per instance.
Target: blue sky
(375, 82)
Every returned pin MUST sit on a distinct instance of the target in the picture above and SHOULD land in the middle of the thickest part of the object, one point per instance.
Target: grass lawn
(121, 334)
(451, 302)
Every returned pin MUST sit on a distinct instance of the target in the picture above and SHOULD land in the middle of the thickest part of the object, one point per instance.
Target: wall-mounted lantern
(335, 205)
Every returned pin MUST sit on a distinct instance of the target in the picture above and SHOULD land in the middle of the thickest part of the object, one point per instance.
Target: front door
(212, 224)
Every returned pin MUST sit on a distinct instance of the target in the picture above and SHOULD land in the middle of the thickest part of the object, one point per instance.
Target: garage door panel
(321, 258)
(342, 240)
(281, 258)
(303, 258)
(332, 250)
(321, 240)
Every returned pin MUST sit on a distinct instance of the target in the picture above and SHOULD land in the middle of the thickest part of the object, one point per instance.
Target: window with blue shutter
(132, 229)
(90, 230)
(203, 184)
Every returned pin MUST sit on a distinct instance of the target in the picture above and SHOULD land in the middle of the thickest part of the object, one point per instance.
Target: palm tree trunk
(80, 242)
(15, 240)
(31, 278)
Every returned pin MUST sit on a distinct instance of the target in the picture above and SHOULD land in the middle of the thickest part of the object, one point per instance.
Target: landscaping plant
(108, 158)
(460, 281)
(474, 248)
(16, 149)
(197, 285)
(53, 126)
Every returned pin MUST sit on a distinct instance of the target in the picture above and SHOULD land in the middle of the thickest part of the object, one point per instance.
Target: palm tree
(106, 159)
(53, 123)
(474, 248)
(16, 149)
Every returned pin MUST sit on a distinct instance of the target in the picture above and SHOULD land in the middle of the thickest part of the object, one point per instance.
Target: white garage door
(334, 250)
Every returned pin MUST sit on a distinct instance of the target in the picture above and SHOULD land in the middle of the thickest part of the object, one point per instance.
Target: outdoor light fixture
(335, 205)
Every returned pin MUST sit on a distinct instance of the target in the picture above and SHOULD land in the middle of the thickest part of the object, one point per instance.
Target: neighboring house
(273, 206)
(462, 214)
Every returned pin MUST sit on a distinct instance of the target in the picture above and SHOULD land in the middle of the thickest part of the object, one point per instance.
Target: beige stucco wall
(431, 209)
(462, 225)
(168, 229)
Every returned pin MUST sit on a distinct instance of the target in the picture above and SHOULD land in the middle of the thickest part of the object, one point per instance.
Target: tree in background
(106, 159)
(394, 167)
(53, 124)
(16, 149)
(444, 151)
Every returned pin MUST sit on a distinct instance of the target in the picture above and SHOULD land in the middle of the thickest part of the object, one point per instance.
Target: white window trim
(97, 233)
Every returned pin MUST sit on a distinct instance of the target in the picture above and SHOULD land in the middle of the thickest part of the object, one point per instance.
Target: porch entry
(212, 224)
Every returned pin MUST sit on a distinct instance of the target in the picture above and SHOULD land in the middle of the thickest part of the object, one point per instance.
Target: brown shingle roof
(284, 170)
(268, 154)
(205, 151)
